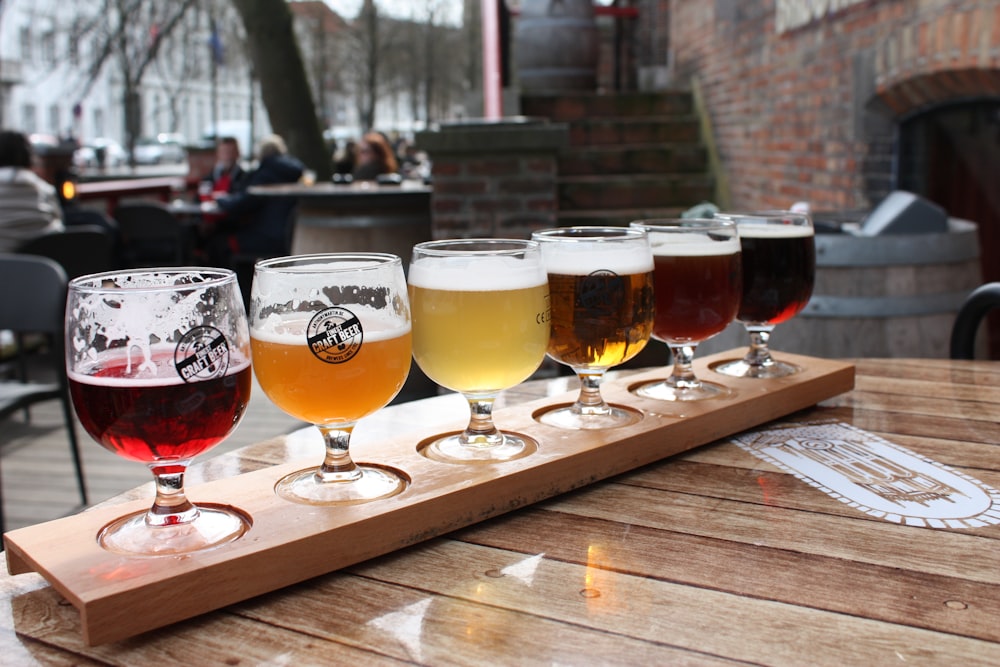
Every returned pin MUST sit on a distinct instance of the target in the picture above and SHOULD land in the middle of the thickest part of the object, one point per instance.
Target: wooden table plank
(881, 593)
(698, 619)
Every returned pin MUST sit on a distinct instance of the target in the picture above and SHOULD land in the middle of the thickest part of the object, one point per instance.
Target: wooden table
(710, 557)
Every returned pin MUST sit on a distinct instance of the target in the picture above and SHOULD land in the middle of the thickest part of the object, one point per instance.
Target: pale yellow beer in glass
(480, 325)
(478, 341)
(601, 297)
(330, 336)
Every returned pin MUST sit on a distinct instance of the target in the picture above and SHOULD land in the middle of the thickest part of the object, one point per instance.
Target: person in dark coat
(257, 224)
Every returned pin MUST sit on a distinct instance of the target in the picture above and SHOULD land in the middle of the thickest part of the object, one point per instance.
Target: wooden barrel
(881, 296)
(556, 46)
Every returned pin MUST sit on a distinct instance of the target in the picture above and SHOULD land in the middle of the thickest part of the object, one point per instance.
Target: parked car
(162, 149)
(87, 154)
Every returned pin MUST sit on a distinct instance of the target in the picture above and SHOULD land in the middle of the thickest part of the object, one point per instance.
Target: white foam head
(476, 273)
(581, 259)
(692, 245)
(759, 230)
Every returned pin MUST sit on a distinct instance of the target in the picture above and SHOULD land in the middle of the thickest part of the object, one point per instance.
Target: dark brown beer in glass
(779, 267)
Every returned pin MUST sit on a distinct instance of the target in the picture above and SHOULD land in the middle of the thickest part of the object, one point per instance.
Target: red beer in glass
(697, 286)
(159, 422)
(158, 363)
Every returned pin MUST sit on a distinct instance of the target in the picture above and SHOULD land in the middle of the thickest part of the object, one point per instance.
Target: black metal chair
(977, 305)
(80, 250)
(151, 235)
(33, 300)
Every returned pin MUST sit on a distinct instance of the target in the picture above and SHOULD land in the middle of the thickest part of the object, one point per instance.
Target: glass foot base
(575, 420)
(374, 483)
(132, 536)
(741, 369)
(450, 449)
(662, 391)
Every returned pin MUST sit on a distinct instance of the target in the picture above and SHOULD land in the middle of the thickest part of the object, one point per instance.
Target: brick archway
(946, 57)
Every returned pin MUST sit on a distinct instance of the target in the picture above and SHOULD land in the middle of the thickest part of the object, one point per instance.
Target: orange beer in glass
(330, 336)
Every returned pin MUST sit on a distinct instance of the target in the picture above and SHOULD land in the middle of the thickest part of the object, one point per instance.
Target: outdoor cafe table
(716, 556)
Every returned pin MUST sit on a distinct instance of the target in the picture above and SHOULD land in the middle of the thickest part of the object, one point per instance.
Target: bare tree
(128, 34)
(276, 59)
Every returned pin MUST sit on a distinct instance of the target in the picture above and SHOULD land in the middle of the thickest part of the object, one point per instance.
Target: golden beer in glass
(601, 287)
(330, 336)
(480, 325)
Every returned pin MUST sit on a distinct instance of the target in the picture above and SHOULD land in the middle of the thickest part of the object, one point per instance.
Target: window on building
(29, 119)
(98, 122)
(25, 38)
(48, 46)
(73, 45)
(54, 120)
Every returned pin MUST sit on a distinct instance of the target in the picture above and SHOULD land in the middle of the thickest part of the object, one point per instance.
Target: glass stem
(481, 432)
(590, 401)
(759, 354)
(337, 464)
(171, 507)
(683, 376)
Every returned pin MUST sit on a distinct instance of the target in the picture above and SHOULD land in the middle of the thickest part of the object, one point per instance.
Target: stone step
(633, 191)
(649, 159)
(568, 107)
(645, 130)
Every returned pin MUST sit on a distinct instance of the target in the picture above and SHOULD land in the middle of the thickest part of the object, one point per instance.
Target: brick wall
(810, 114)
(494, 180)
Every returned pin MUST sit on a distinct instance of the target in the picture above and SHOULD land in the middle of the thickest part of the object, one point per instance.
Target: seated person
(29, 205)
(374, 157)
(227, 174)
(256, 224)
(343, 159)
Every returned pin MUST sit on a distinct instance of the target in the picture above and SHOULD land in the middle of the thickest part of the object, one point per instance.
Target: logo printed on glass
(201, 354)
(602, 291)
(334, 335)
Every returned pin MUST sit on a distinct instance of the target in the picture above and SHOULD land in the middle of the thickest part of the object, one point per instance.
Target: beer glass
(601, 297)
(697, 288)
(480, 325)
(331, 344)
(158, 362)
(779, 267)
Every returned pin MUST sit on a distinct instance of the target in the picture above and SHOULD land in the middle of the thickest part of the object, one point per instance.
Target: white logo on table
(876, 476)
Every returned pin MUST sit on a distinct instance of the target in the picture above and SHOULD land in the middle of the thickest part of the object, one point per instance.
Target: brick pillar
(494, 179)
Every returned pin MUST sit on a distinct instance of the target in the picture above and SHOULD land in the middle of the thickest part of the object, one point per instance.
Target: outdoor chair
(151, 235)
(80, 250)
(977, 305)
(33, 300)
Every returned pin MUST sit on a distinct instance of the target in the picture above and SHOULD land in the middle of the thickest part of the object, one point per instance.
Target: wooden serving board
(119, 597)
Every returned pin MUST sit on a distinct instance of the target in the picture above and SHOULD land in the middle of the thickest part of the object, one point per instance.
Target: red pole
(491, 60)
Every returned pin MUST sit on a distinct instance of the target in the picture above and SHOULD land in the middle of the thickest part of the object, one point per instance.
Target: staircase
(631, 155)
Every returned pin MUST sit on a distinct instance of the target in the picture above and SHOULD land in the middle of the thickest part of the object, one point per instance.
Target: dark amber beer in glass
(779, 266)
(604, 322)
(697, 295)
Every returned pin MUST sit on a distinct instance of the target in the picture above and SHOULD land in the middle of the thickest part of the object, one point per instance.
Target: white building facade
(47, 48)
